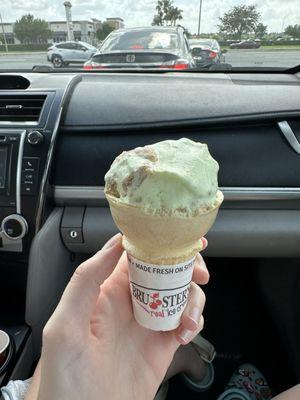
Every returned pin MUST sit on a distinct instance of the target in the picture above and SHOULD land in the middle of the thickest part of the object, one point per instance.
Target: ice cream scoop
(173, 177)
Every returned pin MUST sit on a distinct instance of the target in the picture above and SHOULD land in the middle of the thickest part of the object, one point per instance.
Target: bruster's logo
(156, 301)
(167, 305)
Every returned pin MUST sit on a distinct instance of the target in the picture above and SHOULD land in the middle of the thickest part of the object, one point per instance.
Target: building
(9, 33)
(116, 23)
(83, 30)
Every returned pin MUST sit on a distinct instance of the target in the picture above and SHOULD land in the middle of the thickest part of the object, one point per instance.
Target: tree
(166, 13)
(103, 32)
(293, 31)
(261, 31)
(30, 30)
(239, 20)
(175, 14)
(188, 34)
(158, 18)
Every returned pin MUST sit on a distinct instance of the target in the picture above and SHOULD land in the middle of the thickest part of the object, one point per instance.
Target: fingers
(192, 319)
(201, 274)
(204, 243)
(81, 294)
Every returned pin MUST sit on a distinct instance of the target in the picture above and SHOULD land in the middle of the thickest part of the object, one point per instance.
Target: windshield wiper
(293, 70)
(42, 68)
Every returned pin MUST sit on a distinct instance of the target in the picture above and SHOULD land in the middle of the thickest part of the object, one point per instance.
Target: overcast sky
(275, 13)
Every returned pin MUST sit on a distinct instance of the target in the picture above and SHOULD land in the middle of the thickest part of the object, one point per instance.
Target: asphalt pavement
(237, 58)
(263, 58)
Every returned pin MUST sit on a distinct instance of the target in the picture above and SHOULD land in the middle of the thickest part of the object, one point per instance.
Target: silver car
(65, 53)
(207, 52)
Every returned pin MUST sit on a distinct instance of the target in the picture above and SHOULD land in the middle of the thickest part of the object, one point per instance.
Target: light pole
(283, 22)
(68, 7)
(199, 22)
(4, 37)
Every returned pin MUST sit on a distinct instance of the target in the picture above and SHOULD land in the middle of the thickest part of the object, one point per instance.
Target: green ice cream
(173, 177)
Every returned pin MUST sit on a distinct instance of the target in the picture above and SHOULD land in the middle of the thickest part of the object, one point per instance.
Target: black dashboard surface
(112, 100)
(249, 156)
(109, 113)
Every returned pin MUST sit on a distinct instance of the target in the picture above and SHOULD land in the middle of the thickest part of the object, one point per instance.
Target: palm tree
(175, 14)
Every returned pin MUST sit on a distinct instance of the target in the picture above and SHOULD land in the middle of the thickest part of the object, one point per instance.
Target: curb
(11, 53)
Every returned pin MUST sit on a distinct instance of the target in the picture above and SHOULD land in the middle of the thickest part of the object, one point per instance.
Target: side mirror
(83, 48)
(224, 51)
(196, 52)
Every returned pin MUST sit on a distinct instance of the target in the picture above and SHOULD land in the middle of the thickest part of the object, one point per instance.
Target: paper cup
(4, 347)
(159, 292)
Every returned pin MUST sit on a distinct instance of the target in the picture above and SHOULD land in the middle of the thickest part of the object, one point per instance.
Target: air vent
(21, 108)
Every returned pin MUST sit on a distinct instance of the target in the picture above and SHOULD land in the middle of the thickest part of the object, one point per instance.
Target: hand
(92, 346)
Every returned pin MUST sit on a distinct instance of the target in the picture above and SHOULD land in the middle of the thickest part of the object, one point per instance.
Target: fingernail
(195, 315)
(185, 335)
(112, 241)
(204, 243)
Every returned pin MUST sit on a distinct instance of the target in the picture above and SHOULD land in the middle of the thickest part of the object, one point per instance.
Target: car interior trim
(68, 195)
(236, 232)
(232, 119)
(43, 187)
(19, 172)
(287, 131)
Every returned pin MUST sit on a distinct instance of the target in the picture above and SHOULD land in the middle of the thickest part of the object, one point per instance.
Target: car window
(149, 28)
(86, 46)
(201, 43)
(80, 47)
(67, 46)
(139, 40)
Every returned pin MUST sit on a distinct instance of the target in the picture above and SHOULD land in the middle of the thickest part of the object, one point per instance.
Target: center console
(29, 124)
(16, 176)
(22, 153)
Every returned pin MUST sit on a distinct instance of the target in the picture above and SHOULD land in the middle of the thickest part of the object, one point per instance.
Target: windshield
(95, 35)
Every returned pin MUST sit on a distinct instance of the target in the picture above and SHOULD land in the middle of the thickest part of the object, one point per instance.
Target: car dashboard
(59, 157)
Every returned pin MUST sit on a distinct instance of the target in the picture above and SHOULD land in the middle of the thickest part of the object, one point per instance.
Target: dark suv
(146, 47)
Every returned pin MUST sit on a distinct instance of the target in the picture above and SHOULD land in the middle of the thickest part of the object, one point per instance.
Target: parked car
(146, 47)
(65, 53)
(206, 52)
(246, 44)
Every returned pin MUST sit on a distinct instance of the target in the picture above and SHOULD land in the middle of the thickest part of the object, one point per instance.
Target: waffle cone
(162, 240)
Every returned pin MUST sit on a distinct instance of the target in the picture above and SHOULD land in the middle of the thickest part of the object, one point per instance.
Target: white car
(65, 53)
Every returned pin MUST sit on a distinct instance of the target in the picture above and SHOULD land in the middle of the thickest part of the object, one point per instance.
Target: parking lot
(238, 58)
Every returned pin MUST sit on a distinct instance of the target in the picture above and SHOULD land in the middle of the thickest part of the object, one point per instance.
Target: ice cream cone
(161, 255)
(160, 239)
(163, 198)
